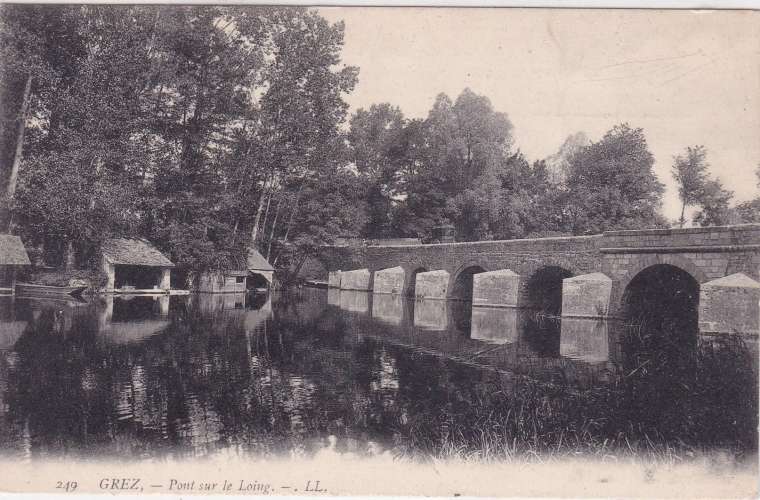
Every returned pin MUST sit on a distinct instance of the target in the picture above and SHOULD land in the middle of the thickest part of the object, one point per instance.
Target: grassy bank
(659, 410)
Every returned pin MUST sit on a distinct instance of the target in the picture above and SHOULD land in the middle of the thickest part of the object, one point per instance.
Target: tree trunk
(68, 256)
(682, 220)
(290, 222)
(274, 226)
(297, 269)
(266, 211)
(20, 140)
(6, 198)
(234, 230)
(257, 219)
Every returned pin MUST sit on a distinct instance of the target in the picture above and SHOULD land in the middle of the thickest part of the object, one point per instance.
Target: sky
(685, 77)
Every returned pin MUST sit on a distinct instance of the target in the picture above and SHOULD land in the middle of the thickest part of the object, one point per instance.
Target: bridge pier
(333, 279)
(389, 308)
(730, 305)
(587, 296)
(358, 279)
(496, 325)
(587, 339)
(431, 314)
(333, 297)
(355, 301)
(432, 285)
(499, 288)
(389, 280)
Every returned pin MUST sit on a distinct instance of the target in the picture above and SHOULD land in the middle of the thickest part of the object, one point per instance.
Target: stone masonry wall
(705, 253)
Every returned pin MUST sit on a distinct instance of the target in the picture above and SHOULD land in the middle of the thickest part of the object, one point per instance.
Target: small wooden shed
(260, 271)
(221, 282)
(12, 257)
(133, 265)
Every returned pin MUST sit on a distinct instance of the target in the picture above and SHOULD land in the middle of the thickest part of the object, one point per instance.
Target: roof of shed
(134, 252)
(12, 251)
(257, 262)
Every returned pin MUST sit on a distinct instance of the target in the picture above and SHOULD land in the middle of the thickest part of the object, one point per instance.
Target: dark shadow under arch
(662, 298)
(461, 289)
(544, 289)
(413, 280)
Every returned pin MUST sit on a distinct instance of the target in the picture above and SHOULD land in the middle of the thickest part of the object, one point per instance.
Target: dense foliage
(197, 127)
(696, 187)
(459, 166)
(212, 129)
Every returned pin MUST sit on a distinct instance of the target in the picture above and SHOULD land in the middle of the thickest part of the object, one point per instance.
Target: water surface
(309, 372)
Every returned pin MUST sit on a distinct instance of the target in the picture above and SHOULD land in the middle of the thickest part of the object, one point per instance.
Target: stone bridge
(716, 268)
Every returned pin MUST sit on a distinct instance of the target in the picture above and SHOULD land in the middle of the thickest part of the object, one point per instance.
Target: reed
(658, 410)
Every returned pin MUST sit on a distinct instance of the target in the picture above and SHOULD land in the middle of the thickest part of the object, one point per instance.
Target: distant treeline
(208, 129)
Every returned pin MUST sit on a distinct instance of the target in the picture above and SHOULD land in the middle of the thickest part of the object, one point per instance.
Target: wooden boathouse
(133, 265)
(260, 272)
(231, 281)
(254, 273)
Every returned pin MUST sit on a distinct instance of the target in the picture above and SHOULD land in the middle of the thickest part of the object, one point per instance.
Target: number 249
(66, 485)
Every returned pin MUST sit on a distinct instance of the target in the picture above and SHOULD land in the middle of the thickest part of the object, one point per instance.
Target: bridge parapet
(703, 239)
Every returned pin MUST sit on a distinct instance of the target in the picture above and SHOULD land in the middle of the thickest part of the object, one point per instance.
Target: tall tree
(456, 144)
(558, 164)
(189, 125)
(22, 35)
(690, 172)
(77, 181)
(301, 113)
(714, 200)
(378, 152)
(611, 184)
(749, 211)
(515, 200)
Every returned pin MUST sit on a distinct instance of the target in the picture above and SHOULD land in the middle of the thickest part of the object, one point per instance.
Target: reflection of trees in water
(207, 383)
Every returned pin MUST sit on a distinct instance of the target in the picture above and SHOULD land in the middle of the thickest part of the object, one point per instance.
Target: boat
(32, 290)
(315, 284)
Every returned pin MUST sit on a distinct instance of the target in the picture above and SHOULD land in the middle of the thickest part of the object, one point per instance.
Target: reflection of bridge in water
(510, 339)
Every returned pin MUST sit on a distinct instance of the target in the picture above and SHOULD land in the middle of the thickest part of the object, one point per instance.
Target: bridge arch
(644, 261)
(662, 298)
(461, 281)
(543, 287)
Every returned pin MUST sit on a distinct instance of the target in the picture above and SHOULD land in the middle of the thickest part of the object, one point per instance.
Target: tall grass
(668, 404)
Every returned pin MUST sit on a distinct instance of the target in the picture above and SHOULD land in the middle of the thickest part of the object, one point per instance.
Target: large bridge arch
(662, 297)
(641, 262)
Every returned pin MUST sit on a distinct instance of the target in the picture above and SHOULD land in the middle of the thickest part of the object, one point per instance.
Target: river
(304, 371)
